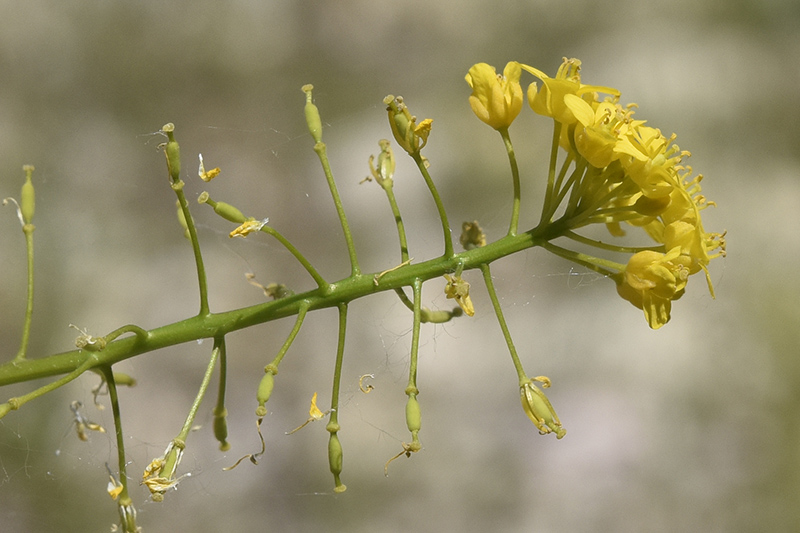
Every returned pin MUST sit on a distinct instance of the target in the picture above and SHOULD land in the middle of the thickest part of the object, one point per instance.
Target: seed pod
(335, 458)
(413, 414)
(28, 197)
(264, 392)
(221, 428)
(226, 211)
(173, 153)
(312, 115)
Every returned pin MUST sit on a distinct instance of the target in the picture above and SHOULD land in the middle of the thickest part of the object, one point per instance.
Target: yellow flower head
(495, 99)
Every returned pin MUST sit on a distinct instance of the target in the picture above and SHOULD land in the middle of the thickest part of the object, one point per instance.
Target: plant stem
(321, 283)
(321, 151)
(124, 496)
(512, 159)
(448, 239)
(487, 278)
(216, 324)
(549, 206)
(26, 327)
(198, 256)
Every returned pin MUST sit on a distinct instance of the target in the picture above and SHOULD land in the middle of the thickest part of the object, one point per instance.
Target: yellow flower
(495, 99)
(549, 100)
(649, 159)
(651, 280)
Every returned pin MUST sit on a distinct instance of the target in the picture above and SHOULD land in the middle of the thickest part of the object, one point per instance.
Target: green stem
(334, 446)
(219, 342)
(426, 315)
(412, 367)
(549, 207)
(216, 324)
(130, 328)
(301, 315)
(321, 152)
(448, 239)
(26, 327)
(124, 499)
(337, 371)
(297, 255)
(512, 159)
(585, 214)
(599, 265)
(562, 190)
(220, 412)
(401, 231)
(611, 247)
(198, 257)
(498, 311)
(18, 401)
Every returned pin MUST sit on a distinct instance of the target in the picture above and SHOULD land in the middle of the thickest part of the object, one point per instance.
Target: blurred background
(694, 427)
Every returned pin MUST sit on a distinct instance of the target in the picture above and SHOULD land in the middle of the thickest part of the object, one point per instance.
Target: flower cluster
(624, 172)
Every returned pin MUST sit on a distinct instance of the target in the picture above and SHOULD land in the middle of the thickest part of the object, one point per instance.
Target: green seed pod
(413, 414)
(221, 428)
(264, 392)
(173, 153)
(335, 455)
(335, 458)
(28, 199)
(120, 378)
(228, 212)
(312, 115)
